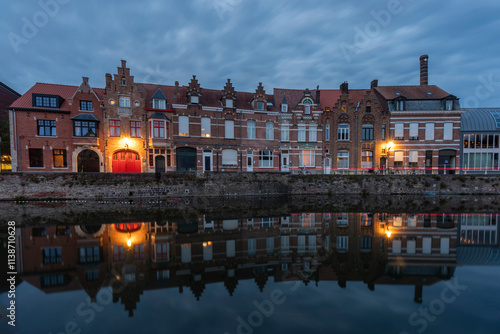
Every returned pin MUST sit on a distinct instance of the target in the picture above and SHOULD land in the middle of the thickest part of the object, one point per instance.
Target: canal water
(292, 265)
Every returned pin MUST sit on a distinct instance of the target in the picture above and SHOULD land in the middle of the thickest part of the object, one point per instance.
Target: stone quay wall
(35, 186)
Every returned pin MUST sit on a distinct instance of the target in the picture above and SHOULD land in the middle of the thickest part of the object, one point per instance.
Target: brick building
(7, 97)
(57, 128)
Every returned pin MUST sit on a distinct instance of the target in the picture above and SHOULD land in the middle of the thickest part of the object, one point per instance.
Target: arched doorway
(126, 162)
(88, 162)
(186, 159)
(160, 164)
(446, 161)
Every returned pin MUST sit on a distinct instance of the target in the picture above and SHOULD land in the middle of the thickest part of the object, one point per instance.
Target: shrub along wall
(129, 186)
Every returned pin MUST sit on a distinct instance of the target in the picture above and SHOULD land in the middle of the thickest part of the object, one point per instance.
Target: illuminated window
(59, 158)
(184, 126)
(343, 160)
(205, 127)
(307, 158)
(135, 129)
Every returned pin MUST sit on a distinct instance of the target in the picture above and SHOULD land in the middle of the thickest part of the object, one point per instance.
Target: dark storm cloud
(292, 44)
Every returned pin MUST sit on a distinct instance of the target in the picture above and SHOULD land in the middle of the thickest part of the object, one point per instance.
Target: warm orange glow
(389, 233)
(129, 242)
(390, 145)
(205, 244)
(126, 142)
(112, 102)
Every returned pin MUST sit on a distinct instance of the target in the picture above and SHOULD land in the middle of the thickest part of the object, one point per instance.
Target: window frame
(135, 129)
(60, 152)
(38, 162)
(301, 132)
(183, 125)
(343, 130)
(46, 125)
(266, 159)
(160, 104)
(269, 130)
(229, 129)
(205, 129)
(313, 133)
(86, 105)
(367, 132)
(158, 129)
(124, 101)
(114, 128)
(89, 125)
(251, 129)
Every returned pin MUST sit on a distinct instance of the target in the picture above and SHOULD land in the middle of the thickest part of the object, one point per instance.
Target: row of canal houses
(140, 127)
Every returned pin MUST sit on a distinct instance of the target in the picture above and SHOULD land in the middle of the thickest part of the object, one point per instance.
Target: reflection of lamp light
(388, 233)
(129, 242)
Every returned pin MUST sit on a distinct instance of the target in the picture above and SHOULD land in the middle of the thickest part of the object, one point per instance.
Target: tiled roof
(412, 92)
(292, 96)
(329, 97)
(85, 117)
(100, 92)
(64, 91)
(159, 115)
(159, 95)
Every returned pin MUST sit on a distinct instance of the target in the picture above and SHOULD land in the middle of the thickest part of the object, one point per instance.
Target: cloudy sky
(282, 43)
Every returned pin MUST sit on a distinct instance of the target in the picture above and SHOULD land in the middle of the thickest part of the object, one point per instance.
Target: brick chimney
(318, 95)
(424, 70)
(374, 84)
(344, 87)
(124, 63)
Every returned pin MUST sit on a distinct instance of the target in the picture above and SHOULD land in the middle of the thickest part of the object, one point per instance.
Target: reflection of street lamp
(129, 241)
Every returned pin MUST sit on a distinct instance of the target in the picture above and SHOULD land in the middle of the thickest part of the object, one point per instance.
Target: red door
(126, 162)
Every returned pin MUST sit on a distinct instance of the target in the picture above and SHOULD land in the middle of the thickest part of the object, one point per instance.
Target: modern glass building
(480, 134)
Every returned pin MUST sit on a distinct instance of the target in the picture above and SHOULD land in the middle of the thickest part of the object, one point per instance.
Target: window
(159, 104)
(413, 131)
(158, 129)
(185, 253)
(429, 131)
(367, 132)
(285, 132)
(307, 106)
(284, 107)
(139, 252)
(59, 158)
(307, 110)
(205, 127)
(260, 105)
(124, 82)
(229, 129)
(367, 159)
(307, 158)
(344, 107)
(118, 253)
(36, 157)
(449, 105)
(252, 247)
(84, 128)
(343, 132)
(366, 244)
(400, 105)
(89, 254)
(124, 102)
(399, 131)
(46, 128)
(229, 158)
(302, 132)
(448, 131)
(413, 158)
(86, 105)
(343, 160)
(52, 255)
(135, 129)
(208, 251)
(366, 219)
(251, 129)
(92, 275)
(398, 159)
(269, 130)
(327, 132)
(342, 219)
(161, 252)
(229, 103)
(312, 133)
(342, 244)
(266, 159)
(46, 101)
(184, 125)
(114, 128)
(368, 108)
(383, 131)
(269, 245)
(195, 100)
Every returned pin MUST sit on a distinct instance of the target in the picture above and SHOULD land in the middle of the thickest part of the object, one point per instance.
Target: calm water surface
(300, 272)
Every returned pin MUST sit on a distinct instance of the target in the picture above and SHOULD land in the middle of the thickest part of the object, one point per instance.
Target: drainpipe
(105, 141)
(357, 144)
(217, 115)
(241, 144)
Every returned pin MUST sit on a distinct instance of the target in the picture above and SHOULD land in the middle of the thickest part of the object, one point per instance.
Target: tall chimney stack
(424, 70)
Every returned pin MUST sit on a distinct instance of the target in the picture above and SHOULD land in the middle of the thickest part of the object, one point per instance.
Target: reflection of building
(479, 242)
(132, 257)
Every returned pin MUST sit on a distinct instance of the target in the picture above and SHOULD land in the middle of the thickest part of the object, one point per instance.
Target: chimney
(176, 91)
(424, 70)
(318, 95)
(344, 88)
(374, 84)
(124, 63)
(85, 80)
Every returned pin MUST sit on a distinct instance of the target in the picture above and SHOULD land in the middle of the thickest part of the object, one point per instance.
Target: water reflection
(373, 248)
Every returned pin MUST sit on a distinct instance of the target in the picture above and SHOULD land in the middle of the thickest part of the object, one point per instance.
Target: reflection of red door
(126, 162)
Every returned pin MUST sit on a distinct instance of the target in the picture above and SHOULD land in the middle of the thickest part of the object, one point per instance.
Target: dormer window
(368, 108)
(195, 100)
(124, 81)
(46, 101)
(344, 107)
(307, 106)
(229, 103)
(449, 105)
(260, 105)
(159, 104)
(284, 107)
(399, 105)
(86, 105)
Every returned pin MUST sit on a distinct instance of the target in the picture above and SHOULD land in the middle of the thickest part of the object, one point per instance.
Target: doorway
(88, 162)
